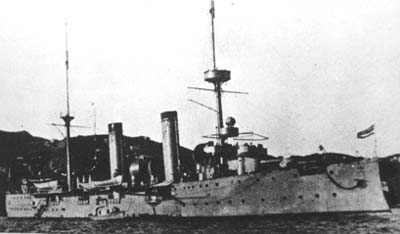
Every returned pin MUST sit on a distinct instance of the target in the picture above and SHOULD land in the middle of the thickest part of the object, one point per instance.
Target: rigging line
(213, 90)
(56, 126)
(201, 104)
(203, 89)
(73, 126)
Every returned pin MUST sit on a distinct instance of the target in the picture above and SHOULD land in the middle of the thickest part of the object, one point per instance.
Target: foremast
(217, 78)
(67, 117)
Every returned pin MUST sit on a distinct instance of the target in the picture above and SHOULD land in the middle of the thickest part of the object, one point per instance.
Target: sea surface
(337, 223)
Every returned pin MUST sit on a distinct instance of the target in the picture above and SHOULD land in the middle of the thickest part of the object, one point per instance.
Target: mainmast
(217, 78)
(67, 118)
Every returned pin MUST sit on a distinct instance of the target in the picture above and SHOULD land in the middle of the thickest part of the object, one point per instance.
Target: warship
(230, 175)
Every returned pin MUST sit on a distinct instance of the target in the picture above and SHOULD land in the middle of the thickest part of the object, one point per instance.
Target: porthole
(200, 186)
(218, 202)
(331, 172)
(242, 201)
(206, 185)
(262, 199)
(317, 195)
(205, 203)
(216, 184)
(300, 196)
(334, 194)
(258, 180)
(284, 198)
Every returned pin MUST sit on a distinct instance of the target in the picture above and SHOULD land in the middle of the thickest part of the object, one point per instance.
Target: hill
(25, 156)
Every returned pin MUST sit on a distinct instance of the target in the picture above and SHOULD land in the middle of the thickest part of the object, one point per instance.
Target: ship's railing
(83, 200)
(52, 191)
(114, 201)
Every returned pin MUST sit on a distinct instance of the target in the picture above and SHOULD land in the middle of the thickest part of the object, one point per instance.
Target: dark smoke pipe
(170, 136)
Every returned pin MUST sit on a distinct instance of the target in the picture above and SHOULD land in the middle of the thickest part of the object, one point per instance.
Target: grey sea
(337, 223)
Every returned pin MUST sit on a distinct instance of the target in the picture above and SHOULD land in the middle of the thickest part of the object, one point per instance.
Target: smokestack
(115, 146)
(170, 136)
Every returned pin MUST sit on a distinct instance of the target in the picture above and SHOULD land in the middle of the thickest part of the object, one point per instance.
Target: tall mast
(217, 78)
(67, 118)
(212, 13)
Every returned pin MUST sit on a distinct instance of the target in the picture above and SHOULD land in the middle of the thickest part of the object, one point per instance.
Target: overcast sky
(317, 71)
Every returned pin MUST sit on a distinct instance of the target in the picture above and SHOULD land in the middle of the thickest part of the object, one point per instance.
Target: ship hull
(350, 187)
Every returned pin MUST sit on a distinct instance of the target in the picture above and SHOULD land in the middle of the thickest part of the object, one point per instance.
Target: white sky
(317, 71)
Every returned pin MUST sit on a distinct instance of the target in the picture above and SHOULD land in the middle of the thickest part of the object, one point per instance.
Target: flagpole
(375, 145)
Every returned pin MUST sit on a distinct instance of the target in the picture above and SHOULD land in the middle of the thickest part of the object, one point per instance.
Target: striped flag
(367, 132)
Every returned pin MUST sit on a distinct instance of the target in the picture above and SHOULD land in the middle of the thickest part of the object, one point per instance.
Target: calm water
(340, 223)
